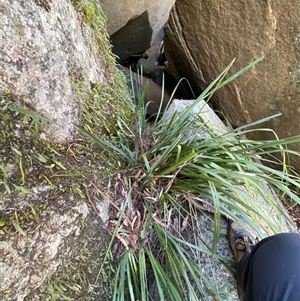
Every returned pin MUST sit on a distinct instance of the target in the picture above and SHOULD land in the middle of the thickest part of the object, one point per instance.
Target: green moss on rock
(103, 103)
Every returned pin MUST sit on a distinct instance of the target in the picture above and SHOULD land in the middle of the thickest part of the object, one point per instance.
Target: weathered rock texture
(43, 49)
(57, 233)
(204, 36)
(135, 25)
(49, 58)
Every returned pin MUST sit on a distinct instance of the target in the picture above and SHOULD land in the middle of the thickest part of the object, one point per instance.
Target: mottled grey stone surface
(59, 230)
(43, 50)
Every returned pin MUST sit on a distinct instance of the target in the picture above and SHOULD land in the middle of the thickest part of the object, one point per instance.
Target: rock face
(52, 64)
(135, 25)
(31, 255)
(44, 48)
(202, 37)
(132, 39)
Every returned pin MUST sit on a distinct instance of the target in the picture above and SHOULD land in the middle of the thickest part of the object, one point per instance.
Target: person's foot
(239, 240)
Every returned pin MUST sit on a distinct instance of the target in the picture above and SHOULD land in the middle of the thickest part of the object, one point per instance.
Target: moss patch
(103, 103)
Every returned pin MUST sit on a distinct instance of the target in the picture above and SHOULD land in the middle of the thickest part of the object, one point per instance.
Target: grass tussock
(168, 176)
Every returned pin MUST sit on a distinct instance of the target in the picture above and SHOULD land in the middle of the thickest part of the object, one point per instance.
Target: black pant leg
(271, 272)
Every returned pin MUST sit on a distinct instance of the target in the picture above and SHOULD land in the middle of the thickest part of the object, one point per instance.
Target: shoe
(239, 240)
